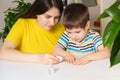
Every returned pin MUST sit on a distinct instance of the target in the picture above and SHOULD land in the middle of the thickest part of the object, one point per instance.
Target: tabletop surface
(95, 70)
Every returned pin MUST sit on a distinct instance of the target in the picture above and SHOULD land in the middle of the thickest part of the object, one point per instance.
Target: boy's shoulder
(65, 34)
(93, 32)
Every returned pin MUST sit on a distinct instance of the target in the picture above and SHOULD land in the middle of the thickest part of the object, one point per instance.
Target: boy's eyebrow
(73, 32)
(67, 31)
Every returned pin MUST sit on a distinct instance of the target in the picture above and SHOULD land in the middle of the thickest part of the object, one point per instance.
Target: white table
(97, 70)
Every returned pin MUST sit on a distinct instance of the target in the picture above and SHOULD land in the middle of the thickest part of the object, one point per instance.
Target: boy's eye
(69, 32)
(78, 32)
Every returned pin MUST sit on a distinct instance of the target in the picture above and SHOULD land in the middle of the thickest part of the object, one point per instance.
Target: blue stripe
(98, 40)
(64, 40)
(90, 50)
(73, 49)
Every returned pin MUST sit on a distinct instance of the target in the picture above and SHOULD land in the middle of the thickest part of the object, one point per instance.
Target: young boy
(78, 44)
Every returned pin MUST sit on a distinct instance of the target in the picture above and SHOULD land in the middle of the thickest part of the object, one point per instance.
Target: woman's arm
(9, 52)
(59, 51)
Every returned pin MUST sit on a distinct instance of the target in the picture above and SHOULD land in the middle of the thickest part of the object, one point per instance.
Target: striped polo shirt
(88, 45)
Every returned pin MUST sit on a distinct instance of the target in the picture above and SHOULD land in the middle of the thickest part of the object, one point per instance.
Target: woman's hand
(50, 59)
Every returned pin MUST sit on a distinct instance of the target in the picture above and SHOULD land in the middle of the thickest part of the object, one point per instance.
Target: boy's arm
(102, 53)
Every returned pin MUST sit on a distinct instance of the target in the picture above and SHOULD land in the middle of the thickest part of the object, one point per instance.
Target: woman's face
(49, 18)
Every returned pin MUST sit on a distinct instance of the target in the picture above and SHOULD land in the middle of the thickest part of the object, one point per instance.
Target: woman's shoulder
(21, 20)
(28, 21)
(60, 26)
(25, 20)
(23, 23)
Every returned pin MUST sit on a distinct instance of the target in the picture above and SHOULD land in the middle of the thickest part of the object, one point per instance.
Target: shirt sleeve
(63, 40)
(97, 40)
(16, 32)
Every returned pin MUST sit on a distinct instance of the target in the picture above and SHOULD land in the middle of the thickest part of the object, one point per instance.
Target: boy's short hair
(75, 15)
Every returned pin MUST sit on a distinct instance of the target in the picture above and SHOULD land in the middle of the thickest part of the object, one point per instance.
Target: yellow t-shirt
(31, 38)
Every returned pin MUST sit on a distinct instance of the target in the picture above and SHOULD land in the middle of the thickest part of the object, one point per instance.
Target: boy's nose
(72, 36)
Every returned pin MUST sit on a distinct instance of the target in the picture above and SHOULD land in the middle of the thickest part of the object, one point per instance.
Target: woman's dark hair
(75, 15)
(41, 6)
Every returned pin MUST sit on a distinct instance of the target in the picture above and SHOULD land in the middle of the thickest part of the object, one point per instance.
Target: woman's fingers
(51, 59)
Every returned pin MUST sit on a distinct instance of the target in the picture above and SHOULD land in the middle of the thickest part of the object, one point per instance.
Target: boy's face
(78, 34)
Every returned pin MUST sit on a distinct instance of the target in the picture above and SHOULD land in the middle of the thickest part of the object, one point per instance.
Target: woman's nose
(52, 21)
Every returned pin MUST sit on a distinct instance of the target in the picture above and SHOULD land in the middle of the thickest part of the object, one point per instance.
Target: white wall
(94, 12)
(105, 4)
(4, 5)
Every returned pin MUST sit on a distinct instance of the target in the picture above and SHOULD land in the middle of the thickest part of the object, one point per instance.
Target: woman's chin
(48, 28)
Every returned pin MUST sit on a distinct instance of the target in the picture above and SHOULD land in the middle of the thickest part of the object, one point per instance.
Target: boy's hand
(70, 58)
(81, 61)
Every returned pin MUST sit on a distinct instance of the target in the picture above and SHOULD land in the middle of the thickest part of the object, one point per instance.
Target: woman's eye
(56, 17)
(48, 16)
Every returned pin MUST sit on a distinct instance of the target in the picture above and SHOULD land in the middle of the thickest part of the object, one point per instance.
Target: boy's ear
(88, 25)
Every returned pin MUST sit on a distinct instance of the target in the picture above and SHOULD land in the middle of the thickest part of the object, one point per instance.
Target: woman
(34, 35)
